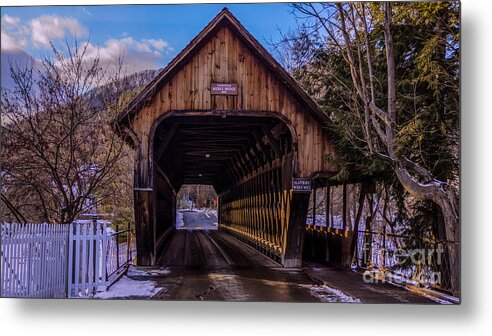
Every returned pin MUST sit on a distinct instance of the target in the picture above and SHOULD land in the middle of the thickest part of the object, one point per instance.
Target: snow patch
(436, 299)
(179, 219)
(126, 287)
(134, 272)
(328, 294)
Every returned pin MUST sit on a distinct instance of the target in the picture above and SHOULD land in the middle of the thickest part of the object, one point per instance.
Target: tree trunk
(446, 201)
(451, 246)
(362, 196)
(434, 190)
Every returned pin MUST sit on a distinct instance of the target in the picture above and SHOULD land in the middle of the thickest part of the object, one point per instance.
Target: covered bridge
(225, 113)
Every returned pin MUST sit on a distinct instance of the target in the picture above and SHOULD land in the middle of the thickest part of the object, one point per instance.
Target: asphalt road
(195, 220)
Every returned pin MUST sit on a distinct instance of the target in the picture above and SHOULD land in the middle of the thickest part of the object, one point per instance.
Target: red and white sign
(228, 89)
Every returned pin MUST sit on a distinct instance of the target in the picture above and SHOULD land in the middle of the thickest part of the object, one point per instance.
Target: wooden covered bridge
(225, 113)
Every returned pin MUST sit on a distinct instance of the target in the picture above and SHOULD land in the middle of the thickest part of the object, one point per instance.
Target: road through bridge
(200, 262)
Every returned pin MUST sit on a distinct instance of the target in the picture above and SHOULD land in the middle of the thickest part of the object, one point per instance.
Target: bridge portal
(225, 113)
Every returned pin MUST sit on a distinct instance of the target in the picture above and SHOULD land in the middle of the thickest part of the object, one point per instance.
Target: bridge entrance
(248, 158)
(225, 113)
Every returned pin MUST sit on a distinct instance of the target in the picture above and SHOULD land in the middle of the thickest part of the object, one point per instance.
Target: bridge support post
(165, 210)
(294, 243)
(144, 226)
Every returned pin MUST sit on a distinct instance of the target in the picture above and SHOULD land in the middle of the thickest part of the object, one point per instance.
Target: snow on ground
(213, 216)
(320, 220)
(336, 222)
(438, 300)
(126, 287)
(179, 219)
(134, 272)
(328, 294)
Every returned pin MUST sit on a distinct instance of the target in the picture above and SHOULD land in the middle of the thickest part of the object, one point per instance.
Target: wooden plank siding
(225, 59)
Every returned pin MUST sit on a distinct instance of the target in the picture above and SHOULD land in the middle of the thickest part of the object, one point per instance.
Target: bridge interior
(249, 162)
(218, 151)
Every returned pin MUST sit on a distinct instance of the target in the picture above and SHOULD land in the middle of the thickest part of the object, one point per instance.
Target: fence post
(117, 250)
(104, 253)
(29, 256)
(384, 247)
(71, 260)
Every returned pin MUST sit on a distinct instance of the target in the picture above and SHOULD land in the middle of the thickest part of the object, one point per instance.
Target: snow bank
(126, 287)
(134, 272)
(179, 219)
(328, 294)
(437, 300)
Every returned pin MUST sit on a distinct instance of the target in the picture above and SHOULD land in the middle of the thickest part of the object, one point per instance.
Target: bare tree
(347, 28)
(60, 155)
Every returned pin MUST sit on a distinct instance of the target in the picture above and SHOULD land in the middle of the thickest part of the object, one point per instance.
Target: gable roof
(224, 18)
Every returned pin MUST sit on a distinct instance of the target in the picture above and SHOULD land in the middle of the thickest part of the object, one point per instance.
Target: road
(197, 220)
(203, 263)
(207, 264)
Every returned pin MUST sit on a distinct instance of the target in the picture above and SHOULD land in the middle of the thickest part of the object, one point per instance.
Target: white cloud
(85, 11)
(47, 28)
(8, 42)
(8, 20)
(136, 55)
(157, 44)
(12, 37)
(39, 31)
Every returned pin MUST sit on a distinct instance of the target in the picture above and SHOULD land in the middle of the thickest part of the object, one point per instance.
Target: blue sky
(148, 35)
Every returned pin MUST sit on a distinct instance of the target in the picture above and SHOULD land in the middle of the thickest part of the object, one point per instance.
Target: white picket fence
(34, 260)
(55, 261)
(97, 258)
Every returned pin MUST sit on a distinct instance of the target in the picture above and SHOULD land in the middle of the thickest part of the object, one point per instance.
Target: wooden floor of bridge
(212, 265)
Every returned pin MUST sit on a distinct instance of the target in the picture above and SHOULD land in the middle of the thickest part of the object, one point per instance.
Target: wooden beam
(314, 206)
(232, 173)
(260, 142)
(327, 206)
(255, 152)
(248, 159)
(344, 206)
(237, 161)
(244, 164)
(235, 169)
(167, 139)
(272, 141)
(161, 172)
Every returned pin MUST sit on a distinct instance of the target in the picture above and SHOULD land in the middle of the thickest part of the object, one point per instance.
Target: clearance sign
(301, 185)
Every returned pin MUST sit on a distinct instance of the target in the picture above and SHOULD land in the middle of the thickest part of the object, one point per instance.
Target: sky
(148, 36)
